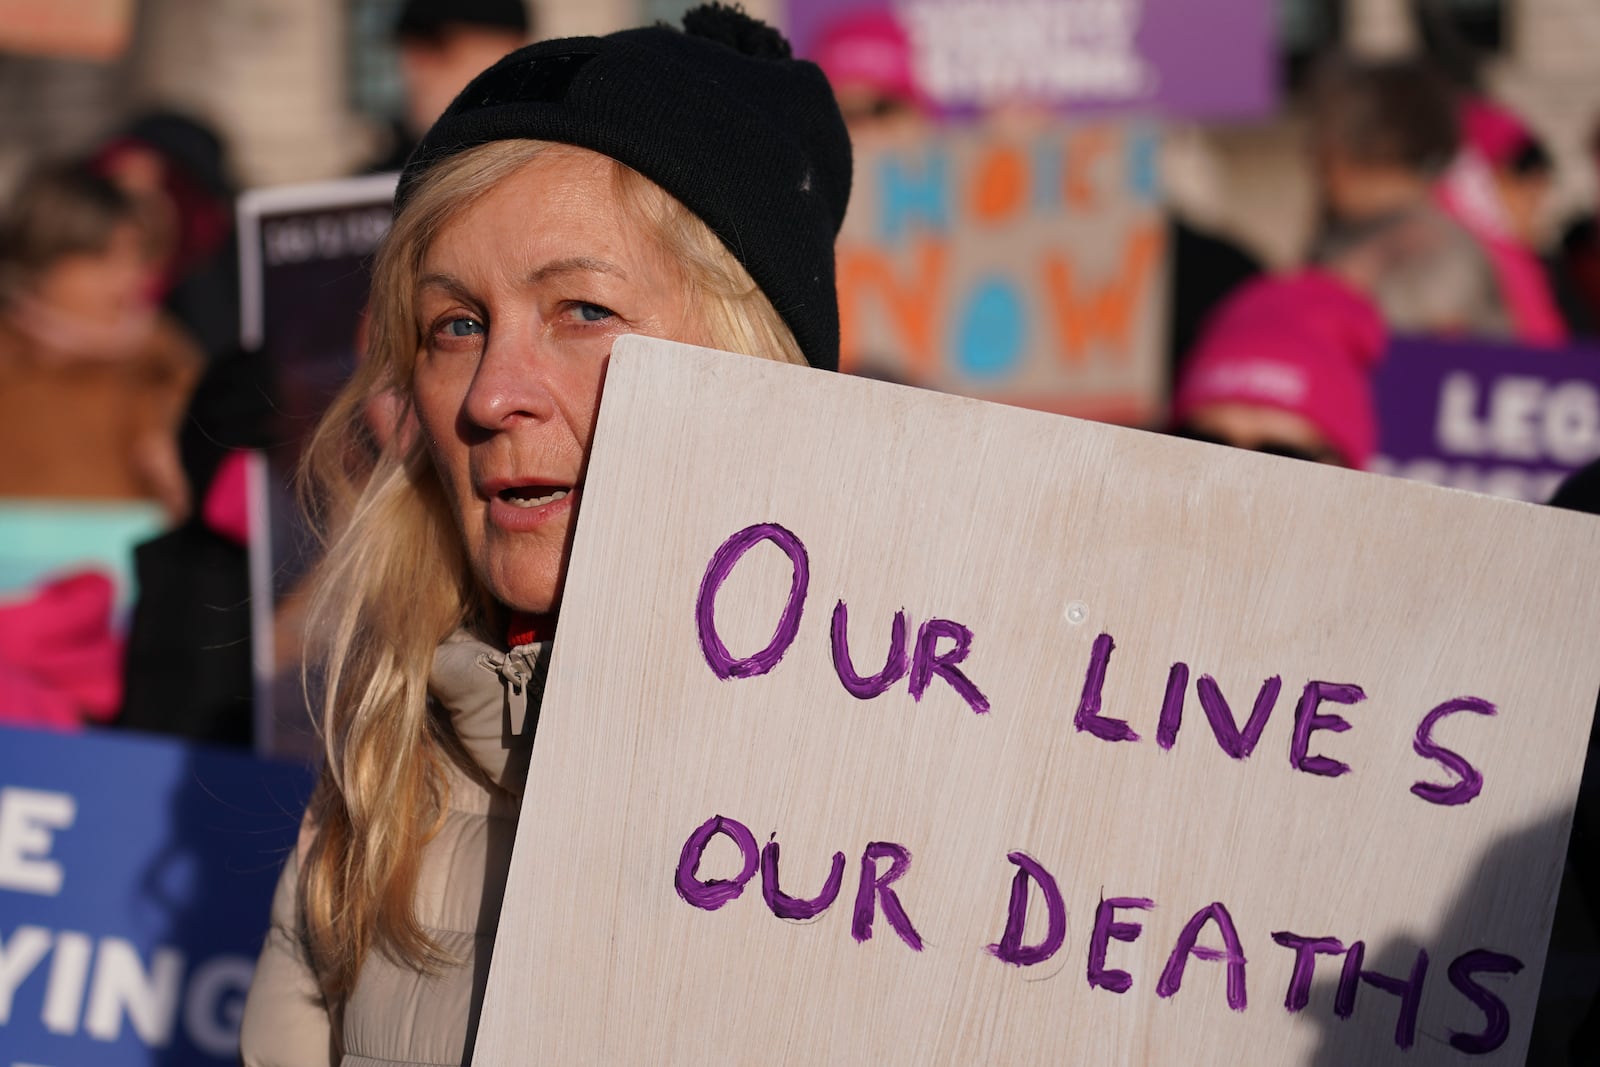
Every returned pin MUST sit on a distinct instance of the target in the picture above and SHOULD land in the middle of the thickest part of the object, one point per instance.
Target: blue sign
(135, 879)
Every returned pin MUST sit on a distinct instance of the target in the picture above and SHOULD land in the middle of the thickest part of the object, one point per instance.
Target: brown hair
(1385, 112)
(58, 211)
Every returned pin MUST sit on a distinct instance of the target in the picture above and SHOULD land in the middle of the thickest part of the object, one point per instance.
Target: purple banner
(1490, 418)
(1145, 55)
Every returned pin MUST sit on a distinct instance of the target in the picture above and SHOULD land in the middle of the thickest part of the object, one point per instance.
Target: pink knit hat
(1495, 132)
(1305, 343)
(869, 49)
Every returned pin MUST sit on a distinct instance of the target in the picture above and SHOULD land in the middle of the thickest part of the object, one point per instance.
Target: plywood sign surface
(887, 727)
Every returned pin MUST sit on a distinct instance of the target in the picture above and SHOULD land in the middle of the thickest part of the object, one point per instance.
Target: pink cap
(869, 49)
(1304, 343)
(1494, 132)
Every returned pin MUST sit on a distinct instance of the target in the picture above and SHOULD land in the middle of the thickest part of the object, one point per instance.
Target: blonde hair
(387, 527)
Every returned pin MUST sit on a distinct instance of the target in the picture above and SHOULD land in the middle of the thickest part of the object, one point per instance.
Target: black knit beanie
(719, 114)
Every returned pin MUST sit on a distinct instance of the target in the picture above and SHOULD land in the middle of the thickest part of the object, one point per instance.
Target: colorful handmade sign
(1029, 269)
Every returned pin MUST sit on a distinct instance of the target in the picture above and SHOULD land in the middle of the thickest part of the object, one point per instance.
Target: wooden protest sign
(1027, 268)
(1080, 744)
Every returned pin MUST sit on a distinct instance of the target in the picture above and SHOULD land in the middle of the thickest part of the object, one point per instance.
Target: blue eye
(463, 328)
(594, 313)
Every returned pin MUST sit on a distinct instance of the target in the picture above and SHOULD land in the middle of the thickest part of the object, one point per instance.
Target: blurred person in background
(187, 668)
(867, 58)
(175, 170)
(93, 378)
(1285, 367)
(1579, 257)
(1382, 134)
(443, 45)
(1497, 187)
(1205, 268)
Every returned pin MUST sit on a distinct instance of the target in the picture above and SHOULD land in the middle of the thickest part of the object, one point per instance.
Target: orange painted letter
(1000, 185)
(1084, 317)
(1084, 150)
(911, 303)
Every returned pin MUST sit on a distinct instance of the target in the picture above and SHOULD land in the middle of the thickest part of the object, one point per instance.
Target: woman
(1285, 366)
(685, 185)
(79, 334)
(1383, 132)
(1497, 188)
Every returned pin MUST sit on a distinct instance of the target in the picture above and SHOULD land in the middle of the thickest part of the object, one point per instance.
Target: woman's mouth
(533, 496)
(531, 506)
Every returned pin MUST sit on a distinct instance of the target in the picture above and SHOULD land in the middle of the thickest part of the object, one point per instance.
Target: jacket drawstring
(516, 671)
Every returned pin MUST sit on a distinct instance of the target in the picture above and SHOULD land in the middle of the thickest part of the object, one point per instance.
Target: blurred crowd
(123, 379)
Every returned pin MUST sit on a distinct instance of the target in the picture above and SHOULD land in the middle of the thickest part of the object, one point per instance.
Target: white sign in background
(1121, 749)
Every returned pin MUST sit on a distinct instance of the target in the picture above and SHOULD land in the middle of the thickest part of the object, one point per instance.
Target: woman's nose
(511, 382)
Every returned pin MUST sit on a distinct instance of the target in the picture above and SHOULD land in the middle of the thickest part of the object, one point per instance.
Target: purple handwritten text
(723, 663)
(787, 907)
(1107, 929)
(1471, 781)
(1088, 717)
(894, 667)
(928, 661)
(1236, 743)
(1233, 954)
(1010, 948)
(1306, 951)
(1172, 705)
(875, 888)
(1409, 990)
(716, 892)
(1497, 1026)
(1307, 722)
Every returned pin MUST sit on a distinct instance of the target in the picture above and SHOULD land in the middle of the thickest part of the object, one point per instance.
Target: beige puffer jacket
(397, 1015)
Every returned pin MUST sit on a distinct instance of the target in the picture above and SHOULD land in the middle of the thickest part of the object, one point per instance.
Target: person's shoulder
(1581, 491)
(1581, 236)
(171, 345)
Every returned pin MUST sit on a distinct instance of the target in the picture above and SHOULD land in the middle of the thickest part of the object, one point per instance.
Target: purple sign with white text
(1145, 55)
(1491, 418)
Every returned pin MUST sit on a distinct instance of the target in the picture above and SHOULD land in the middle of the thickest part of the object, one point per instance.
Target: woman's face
(104, 287)
(1259, 428)
(518, 302)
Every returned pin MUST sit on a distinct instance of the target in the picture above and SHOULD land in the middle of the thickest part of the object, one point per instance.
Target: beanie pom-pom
(739, 31)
